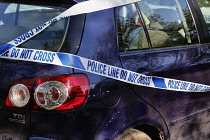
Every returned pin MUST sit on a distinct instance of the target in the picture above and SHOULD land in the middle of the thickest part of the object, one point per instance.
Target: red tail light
(19, 94)
(52, 92)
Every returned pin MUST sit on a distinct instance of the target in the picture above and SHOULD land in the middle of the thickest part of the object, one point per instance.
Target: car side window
(205, 9)
(168, 23)
(129, 29)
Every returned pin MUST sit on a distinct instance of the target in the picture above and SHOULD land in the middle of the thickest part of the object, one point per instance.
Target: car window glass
(169, 22)
(17, 19)
(205, 9)
(130, 29)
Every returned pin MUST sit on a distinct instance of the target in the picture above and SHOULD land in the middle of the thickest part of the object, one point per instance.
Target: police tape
(95, 67)
(9, 51)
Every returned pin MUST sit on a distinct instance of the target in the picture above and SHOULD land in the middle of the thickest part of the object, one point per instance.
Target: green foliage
(204, 3)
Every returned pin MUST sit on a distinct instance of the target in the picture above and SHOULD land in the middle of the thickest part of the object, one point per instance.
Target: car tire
(133, 134)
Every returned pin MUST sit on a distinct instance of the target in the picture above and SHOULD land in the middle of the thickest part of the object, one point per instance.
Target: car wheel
(133, 134)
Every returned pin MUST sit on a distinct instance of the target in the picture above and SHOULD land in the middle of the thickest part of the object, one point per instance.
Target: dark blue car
(164, 38)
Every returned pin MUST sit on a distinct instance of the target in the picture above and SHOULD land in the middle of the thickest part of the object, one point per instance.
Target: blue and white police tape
(10, 51)
(80, 8)
(77, 62)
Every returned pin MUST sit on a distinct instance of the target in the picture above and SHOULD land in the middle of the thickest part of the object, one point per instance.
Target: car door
(163, 38)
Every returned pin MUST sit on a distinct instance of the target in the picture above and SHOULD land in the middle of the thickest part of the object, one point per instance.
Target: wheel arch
(152, 128)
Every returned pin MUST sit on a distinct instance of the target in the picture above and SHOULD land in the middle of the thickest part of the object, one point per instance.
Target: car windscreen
(17, 19)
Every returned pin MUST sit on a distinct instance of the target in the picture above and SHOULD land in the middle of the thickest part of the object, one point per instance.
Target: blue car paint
(113, 106)
(105, 44)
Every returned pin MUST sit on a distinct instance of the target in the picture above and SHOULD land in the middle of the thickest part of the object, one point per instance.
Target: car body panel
(113, 106)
